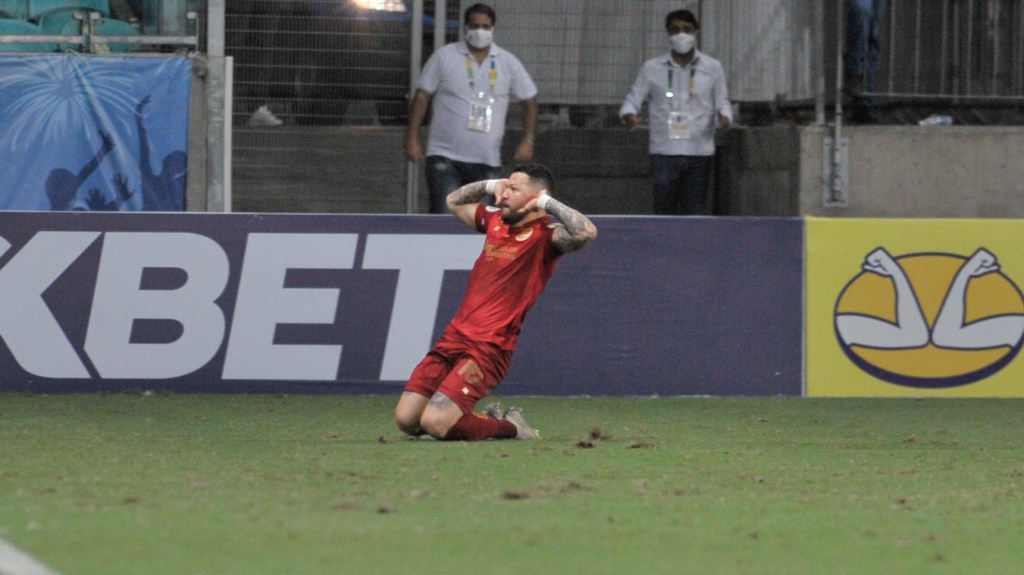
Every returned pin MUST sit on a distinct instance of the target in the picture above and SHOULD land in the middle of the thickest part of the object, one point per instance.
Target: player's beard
(511, 217)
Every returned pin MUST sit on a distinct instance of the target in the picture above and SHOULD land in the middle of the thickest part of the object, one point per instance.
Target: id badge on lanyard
(481, 109)
(680, 125)
(680, 122)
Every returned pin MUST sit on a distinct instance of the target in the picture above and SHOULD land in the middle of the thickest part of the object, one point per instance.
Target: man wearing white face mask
(470, 85)
(687, 100)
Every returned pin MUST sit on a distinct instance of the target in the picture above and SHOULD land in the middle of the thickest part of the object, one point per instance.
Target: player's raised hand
(532, 204)
(498, 186)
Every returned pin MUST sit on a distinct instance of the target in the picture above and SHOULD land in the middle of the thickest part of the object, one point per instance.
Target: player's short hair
(479, 8)
(540, 176)
(684, 15)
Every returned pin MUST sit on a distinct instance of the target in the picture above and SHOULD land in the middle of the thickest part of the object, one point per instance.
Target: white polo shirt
(707, 97)
(453, 77)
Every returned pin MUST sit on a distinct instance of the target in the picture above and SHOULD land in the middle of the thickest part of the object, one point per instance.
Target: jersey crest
(524, 235)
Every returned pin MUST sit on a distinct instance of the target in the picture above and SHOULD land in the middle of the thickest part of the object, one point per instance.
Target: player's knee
(408, 427)
(408, 421)
(436, 423)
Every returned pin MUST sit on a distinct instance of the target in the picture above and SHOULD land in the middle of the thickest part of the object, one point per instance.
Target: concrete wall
(894, 171)
(357, 169)
(913, 171)
(757, 172)
(599, 171)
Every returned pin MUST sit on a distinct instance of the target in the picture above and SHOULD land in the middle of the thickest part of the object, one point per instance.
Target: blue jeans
(681, 184)
(444, 176)
(863, 39)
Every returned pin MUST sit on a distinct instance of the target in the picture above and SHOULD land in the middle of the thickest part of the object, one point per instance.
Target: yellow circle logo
(930, 320)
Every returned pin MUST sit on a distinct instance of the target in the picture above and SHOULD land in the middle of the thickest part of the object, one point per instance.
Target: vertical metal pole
(918, 33)
(440, 21)
(996, 29)
(892, 47)
(955, 44)
(840, 43)
(942, 50)
(835, 153)
(215, 116)
(415, 57)
(891, 13)
(970, 50)
(229, 94)
(819, 63)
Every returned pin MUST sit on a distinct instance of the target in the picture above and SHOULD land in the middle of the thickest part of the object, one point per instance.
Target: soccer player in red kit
(522, 248)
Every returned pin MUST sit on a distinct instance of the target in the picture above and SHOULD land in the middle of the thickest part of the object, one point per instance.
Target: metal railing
(961, 50)
(90, 40)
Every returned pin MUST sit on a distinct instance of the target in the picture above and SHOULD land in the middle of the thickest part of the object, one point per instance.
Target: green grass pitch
(222, 484)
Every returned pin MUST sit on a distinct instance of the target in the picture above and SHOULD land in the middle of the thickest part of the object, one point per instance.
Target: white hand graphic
(910, 330)
(951, 329)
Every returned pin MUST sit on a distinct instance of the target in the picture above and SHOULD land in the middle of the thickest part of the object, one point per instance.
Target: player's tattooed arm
(471, 193)
(576, 230)
(463, 201)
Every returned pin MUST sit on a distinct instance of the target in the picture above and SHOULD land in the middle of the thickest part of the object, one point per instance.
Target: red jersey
(506, 279)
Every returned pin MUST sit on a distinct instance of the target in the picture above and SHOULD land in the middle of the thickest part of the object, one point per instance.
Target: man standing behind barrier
(863, 43)
(470, 84)
(687, 100)
(519, 255)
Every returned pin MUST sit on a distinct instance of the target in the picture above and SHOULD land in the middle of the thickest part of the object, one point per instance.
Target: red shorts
(464, 372)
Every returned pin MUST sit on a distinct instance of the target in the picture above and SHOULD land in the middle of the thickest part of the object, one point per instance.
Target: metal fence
(319, 62)
(321, 86)
(967, 50)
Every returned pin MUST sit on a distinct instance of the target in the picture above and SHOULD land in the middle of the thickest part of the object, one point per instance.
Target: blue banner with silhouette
(93, 133)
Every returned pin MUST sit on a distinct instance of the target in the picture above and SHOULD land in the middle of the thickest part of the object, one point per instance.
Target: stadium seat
(100, 27)
(14, 9)
(57, 17)
(54, 22)
(37, 8)
(10, 27)
(112, 27)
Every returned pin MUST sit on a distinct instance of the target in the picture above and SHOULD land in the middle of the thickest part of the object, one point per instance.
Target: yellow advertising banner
(914, 308)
